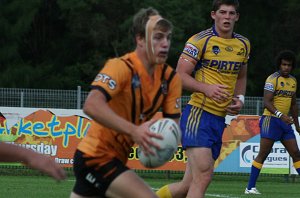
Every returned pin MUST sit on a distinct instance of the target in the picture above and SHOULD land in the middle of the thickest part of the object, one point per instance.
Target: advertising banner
(53, 132)
(56, 133)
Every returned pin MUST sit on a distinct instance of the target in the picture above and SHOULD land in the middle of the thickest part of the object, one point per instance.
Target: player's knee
(203, 178)
(295, 156)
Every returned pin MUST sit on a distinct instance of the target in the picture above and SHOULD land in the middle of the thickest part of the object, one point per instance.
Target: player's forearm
(97, 108)
(241, 83)
(190, 84)
(104, 115)
(12, 153)
(240, 88)
(269, 105)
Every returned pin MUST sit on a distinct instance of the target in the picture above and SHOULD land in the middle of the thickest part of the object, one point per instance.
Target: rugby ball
(171, 133)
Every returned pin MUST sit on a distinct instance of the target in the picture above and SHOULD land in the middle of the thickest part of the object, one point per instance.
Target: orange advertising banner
(45, 132)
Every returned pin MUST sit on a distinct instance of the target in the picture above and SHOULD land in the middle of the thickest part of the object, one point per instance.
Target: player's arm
(97, 108)
(12, 153)
(240, 88)
(185, 67)
(269, 104)
(239, 93)
(294, 112)
(268, 101)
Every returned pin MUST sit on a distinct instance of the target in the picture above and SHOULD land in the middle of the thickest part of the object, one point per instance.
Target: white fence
(74, 99)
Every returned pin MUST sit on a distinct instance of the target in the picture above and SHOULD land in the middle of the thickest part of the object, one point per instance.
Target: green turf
(228, 186)
(33, 187)
(275, 170)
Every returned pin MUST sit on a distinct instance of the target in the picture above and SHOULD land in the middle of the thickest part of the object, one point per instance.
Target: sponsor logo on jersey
(284, 93)
(106, 79)
(191, 50)
(242, 52)
(269, 87)
(216, 50)
(229, 49)
(221, 65)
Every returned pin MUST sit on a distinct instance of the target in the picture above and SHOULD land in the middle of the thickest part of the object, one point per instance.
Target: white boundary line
(218, 195)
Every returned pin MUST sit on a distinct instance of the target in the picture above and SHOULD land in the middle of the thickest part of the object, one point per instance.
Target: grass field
(226, 186)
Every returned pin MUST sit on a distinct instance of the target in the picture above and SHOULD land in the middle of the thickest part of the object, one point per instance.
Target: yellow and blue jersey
(283, 90)
(219, 61)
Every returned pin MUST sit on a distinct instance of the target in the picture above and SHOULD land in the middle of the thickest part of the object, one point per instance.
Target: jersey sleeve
(112, 78)
(248, 49)
(270, 84)
(172, 102)
(193, 48)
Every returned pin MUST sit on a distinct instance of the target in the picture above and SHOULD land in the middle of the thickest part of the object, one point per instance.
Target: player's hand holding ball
(171, 133)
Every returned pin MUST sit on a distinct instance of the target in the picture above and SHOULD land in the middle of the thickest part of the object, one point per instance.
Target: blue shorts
(202, 129)
(275, 129)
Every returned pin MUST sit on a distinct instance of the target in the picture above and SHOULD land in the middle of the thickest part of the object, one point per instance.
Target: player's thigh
(292, 148)
(264, 150)
(128, 185)
(200, 160)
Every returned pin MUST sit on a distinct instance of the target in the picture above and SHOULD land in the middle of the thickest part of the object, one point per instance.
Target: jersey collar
(216, 33)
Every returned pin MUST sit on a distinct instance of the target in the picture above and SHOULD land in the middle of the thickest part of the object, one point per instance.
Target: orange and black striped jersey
(283, 90)
(218, 62)
(136, 97)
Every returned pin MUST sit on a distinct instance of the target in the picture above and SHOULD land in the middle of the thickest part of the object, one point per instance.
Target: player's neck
(224, 34)
(149, 67)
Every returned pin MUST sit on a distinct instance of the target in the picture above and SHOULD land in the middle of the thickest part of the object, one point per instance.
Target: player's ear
(212, 15)
(139, 40)
(237, 17)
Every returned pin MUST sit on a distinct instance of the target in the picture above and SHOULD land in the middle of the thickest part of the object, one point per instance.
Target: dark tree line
(59, 44)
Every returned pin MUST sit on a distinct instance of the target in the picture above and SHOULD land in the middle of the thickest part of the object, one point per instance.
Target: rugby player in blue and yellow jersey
(218, 59)
(275, 123)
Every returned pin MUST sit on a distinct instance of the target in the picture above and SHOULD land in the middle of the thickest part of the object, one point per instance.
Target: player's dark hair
(141, 18)
(217, 4)
(287, 55)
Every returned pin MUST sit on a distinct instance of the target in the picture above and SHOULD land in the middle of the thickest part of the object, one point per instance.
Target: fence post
(257, 107)
(22, 99)
(78, 97)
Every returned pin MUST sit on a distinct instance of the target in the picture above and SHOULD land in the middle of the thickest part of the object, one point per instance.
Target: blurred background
(62, 44)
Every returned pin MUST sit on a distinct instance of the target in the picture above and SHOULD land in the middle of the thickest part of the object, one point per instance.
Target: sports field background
(20, 182)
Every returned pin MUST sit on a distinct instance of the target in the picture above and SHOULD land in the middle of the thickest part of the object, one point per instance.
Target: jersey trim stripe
(108, 97)
(150, 112)
(266, 125)
(204, 33)
(133, 104)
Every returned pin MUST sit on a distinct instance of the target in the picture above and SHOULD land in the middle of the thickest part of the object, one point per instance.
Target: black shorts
(95, 180)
